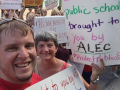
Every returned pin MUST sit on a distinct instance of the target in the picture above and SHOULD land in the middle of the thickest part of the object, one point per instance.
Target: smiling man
(17, 55)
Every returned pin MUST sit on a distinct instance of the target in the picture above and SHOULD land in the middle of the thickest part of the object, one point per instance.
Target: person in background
(43, 12)
(62, 13)
(113, 73)
(12, 13)
(36, 10)
(39, 9)
(22, 12)
(87, 71)
(17, 55)
(30, 10)
(2, 12)
(17, 12)
(63, 53)
(118, 69)
(59, 8)
(46, 46)
(30, 20)
(6, 15)
(55, 12)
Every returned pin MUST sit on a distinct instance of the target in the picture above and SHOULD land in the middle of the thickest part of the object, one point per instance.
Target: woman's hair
(43, 12)
(30, 16)
(46, 36)
(55, 11)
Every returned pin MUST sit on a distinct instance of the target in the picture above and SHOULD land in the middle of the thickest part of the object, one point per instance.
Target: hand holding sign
(22, 5)
(97, 70)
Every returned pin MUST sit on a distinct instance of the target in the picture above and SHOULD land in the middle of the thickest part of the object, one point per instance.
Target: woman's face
(46, 50)
(32, 21)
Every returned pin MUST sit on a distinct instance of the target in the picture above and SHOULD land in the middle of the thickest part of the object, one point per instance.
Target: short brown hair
(14, 25)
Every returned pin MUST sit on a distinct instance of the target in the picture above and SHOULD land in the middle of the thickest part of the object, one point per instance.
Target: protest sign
(32, 3)
(79, 66)
(93, 30)
(68, 45)
(67, 79)
(50, 4)
(11, 4)
(53, 23)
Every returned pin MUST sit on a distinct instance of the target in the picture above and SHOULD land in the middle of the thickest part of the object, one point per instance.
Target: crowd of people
(19, 66)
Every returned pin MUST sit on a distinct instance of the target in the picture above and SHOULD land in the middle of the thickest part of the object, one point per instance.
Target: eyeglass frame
(11, 19)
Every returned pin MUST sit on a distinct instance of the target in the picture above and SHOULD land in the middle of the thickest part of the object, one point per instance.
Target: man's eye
(12, 49)
(29, 45)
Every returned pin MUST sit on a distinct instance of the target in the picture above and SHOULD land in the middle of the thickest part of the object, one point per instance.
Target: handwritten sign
(70, 81)
(11, 4)
(53, 23)
(50, 4)
(93, 30)
(33, 2)
(79, 66)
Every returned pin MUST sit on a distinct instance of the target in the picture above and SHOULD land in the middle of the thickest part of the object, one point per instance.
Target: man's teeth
(23, 65)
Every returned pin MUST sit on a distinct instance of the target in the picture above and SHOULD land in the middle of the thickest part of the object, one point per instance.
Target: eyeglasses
(9, 20)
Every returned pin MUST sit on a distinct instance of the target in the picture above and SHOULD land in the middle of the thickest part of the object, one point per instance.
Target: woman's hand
(97, 70)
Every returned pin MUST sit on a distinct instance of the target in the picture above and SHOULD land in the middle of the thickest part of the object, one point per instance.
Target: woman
(47, 45)
(55, 12)
(43, 12)
(30, 20)
(63, 53)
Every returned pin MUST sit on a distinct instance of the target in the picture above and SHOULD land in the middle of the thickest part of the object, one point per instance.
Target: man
(17, 55)
(30, 10)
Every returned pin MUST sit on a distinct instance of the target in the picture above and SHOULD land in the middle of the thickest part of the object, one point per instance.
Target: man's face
(17, 57)
(30, 9)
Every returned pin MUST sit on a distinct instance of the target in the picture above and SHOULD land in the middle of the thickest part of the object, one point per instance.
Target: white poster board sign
(53, 23)
(11, 4)
(50, 4)
(93, 30)
(67, 79)
(79, 66)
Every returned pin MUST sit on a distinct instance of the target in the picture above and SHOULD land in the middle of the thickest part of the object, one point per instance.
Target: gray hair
(46, 36)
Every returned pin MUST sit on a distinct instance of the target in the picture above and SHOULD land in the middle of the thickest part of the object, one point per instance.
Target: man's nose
(23, 53)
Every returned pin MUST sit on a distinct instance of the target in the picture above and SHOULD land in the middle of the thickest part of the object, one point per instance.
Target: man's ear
(57, 48)
(36, 48)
